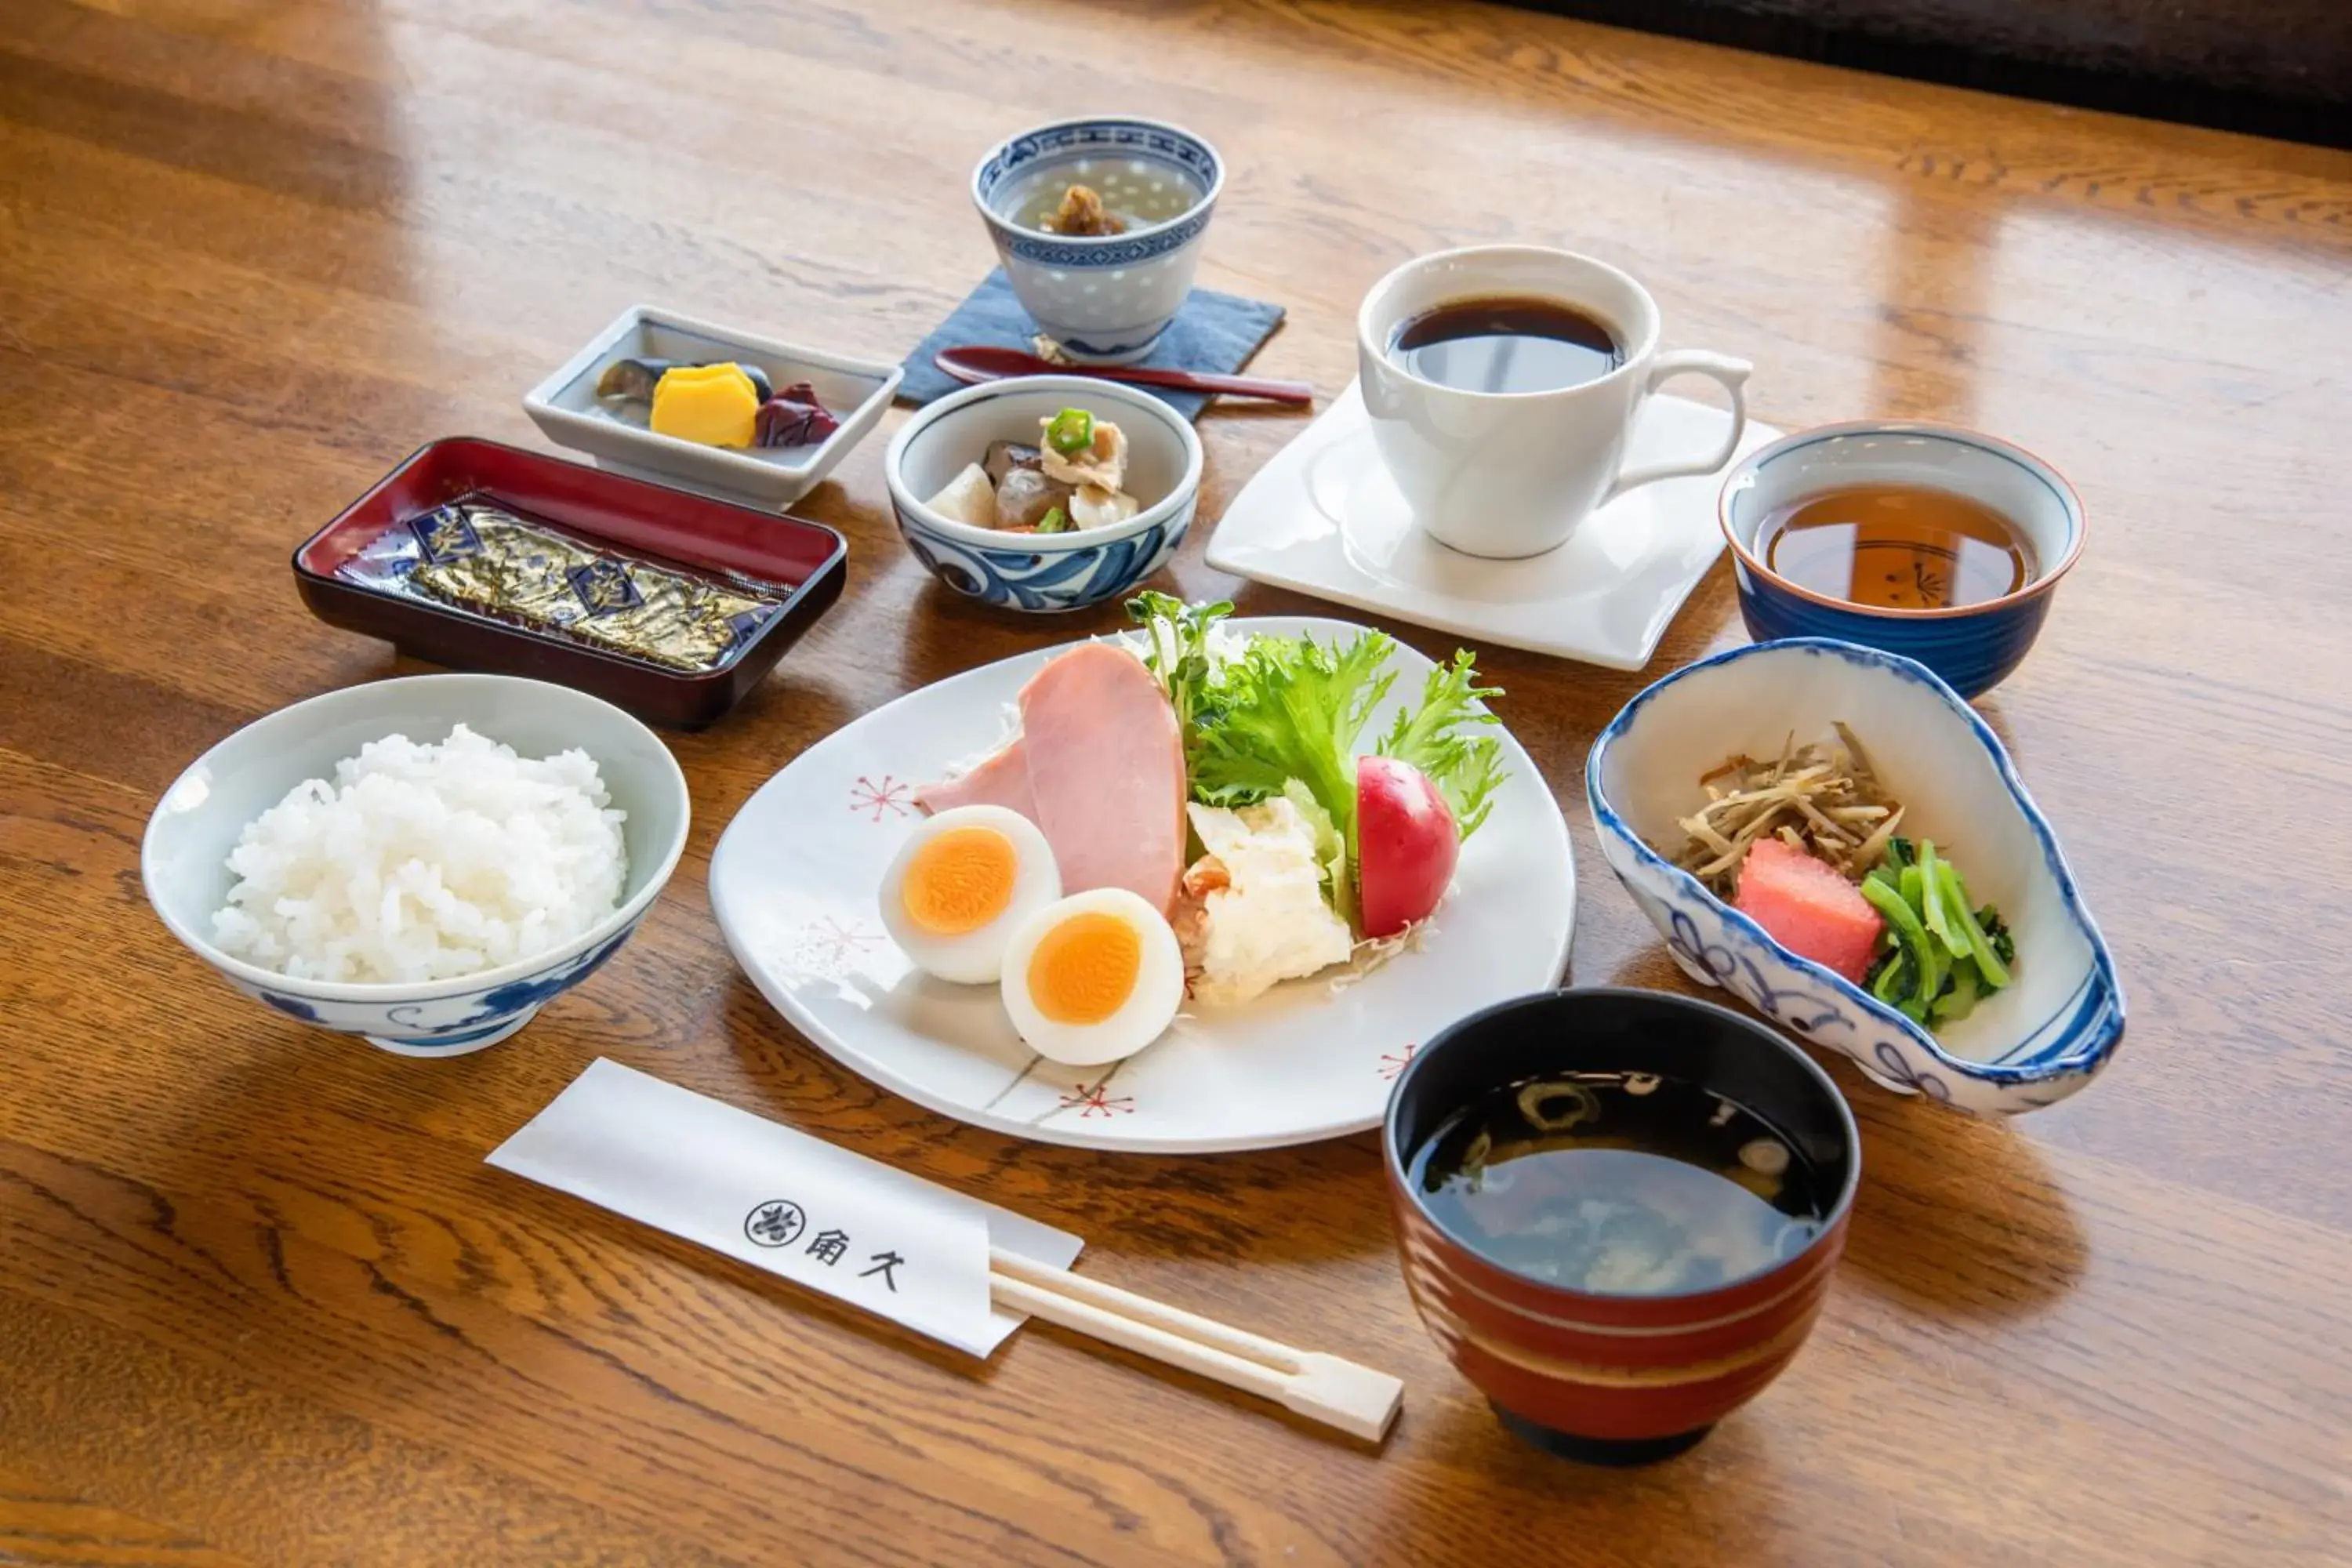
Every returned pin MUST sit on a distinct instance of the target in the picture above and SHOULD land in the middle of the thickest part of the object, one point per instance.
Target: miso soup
(1137, 192)
(1621, 1184)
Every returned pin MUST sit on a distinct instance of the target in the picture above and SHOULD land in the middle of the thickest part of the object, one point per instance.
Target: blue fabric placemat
(1214, 331)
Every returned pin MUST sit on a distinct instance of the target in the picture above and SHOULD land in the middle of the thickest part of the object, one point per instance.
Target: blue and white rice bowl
(2029, 1046)
(1973, 646)
(1044, 572)
(183, 859)
(1105, 298)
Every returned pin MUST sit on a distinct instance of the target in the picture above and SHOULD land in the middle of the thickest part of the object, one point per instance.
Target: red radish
(1808, 908)
(1405, 844)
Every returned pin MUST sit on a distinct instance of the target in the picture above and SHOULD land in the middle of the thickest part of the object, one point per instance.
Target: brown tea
(1896, 547)
(1509, 343)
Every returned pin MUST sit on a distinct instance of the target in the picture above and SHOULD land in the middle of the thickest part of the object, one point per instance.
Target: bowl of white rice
(424, 862)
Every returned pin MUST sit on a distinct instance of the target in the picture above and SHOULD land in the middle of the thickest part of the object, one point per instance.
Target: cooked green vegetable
(1056, 520)
(1070, 432)
(1941, 958)
(1929, 967)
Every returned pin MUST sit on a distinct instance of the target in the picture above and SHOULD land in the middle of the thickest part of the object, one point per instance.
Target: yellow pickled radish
(713, 403)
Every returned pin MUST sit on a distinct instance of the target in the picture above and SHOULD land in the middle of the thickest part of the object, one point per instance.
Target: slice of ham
(1002, 780)
(1098, 766)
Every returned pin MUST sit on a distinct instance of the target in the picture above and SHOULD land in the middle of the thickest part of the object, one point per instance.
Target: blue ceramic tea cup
(1972, 647)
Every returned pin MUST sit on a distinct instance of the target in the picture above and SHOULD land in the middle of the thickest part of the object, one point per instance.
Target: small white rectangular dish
(568, 412)
(1324, 518)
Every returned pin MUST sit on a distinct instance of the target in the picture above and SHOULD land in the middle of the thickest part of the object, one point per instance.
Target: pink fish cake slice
(1809, 909)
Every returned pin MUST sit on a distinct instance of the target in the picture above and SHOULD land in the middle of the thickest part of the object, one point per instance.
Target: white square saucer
(1324, 518)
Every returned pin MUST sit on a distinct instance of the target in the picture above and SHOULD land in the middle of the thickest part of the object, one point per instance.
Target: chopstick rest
(955, 1268)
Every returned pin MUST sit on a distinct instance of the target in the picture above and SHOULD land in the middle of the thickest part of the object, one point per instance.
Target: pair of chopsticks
(1355, 1399)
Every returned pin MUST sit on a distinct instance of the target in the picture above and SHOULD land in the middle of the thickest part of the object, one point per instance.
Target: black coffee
(1510, 343)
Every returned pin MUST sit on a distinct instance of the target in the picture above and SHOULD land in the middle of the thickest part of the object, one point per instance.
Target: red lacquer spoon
(980, 362)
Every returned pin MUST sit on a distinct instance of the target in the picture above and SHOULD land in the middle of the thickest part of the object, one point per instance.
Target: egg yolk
(1083, 969)
(959, 880)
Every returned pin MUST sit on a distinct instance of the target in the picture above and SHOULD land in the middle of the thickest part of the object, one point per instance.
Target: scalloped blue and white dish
(183, 859)
(1105, 298)
(1044, 573)
(2030, 1046)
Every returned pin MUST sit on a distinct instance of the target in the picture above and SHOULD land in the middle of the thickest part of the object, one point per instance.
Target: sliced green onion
(1071, 431)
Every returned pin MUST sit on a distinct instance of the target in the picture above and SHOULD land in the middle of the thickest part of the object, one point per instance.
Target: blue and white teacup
(1972, 647)
(1044, 573)
(1103, 298)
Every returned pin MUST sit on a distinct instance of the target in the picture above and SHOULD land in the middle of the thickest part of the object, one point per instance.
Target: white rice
(425, 863)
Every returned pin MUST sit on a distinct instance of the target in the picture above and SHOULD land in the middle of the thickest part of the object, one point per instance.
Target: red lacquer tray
(632, 517)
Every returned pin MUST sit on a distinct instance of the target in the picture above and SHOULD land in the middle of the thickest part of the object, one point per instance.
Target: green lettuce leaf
(1291, 708)
(1466, 768)
(1284, 717)
(1330, 849)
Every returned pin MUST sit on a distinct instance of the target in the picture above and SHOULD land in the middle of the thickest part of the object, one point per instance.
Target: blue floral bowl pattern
(1106, 298)
(2028, 1047)
(1974, 647)
(1044, 573)
(1041, 582)
(183, 859)
(442, 1026)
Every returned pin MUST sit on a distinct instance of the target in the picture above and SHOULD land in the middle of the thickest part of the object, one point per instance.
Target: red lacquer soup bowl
(1617, 1379)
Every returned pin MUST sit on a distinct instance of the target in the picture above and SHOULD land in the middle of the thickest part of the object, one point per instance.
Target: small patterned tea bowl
(1616, 1379)
(1044, 573)
(1973, 646)
(1104, 297)
(2031, 1045)
(185, 857)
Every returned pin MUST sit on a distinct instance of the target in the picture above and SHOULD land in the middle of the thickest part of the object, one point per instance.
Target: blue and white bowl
(1044, 572)
(184, 858)
(2031, 1045)
(1973, 646)
(1106, 298)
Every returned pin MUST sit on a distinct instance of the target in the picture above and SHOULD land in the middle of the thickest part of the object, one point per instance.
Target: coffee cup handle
(1732, 374)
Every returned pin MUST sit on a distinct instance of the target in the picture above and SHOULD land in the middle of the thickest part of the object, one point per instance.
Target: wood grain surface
(260, 1300)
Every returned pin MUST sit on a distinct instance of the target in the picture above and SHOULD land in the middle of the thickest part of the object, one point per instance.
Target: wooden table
(260, 1301)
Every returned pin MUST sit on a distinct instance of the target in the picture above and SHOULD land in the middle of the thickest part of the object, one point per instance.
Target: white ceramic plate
(794, 884)
(1324, 518)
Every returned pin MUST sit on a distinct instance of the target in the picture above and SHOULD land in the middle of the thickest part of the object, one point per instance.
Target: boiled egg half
(961, 886)
(1093, 978)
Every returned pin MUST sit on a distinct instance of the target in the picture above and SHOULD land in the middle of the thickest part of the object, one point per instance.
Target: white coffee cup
(1509, 474)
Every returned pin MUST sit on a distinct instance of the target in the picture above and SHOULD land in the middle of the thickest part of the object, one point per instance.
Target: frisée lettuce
(1267, 716)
